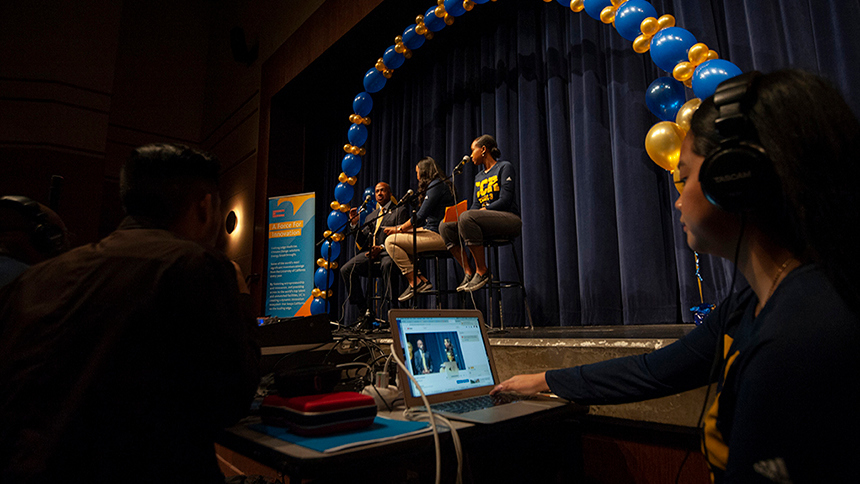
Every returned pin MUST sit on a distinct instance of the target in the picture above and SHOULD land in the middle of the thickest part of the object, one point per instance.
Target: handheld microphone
(459, 168)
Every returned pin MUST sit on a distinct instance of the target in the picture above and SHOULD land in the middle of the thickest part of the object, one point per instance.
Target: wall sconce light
(232, 222)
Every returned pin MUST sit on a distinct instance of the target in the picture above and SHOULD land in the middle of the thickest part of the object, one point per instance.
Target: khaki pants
(399, 247)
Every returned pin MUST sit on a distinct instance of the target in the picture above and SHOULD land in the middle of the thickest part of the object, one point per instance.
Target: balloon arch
(673, 49)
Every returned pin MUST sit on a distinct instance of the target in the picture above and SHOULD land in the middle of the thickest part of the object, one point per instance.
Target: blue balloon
(670, 46)
(319, 306)
(357, 134)
(563, 3)
(455, 7)
(337, 220)
(594, 7)
(481, 2)
(368, 191)
(343, 193)
(323, 278)
(664, 98)
(335, 250)
(412, 39)
(362, 104)
(710, 74)
(351, 164)
(373, 80)
(432, 22)
(392, 59)
(630, 15)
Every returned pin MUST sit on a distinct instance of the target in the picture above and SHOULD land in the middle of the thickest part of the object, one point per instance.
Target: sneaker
(477, 282)
(423, 286)
(407, 294)
(465, 283)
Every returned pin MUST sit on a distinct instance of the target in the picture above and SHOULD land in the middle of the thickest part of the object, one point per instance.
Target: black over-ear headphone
(45, 236)
(738, 175)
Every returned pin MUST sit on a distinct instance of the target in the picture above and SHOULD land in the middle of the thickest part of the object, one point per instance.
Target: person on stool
(494, 213)
(434, 194)
(370, 241)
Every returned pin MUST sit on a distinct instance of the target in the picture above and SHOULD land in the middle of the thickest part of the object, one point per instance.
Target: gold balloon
(419, 19)
(352, 118)
(315, 292)
(334, 205)
(398, 39)
(407, 53)
(449, 19)
(428, 35)
(617, 3)
(386, 73)
(712, 54)
(333, 264)
(676, 177)
(577, 5)
(399, 48)
(354, 150)
(343, 207)
(441, 3)
(663, 144)
(327, 233)
(351, 180)
(689, 83)
(607, 15)
(683, 71)
(365, 121)
(698, 53)
(320, 262)
(641, 44)
(468, 5)
(685, 114)
(346, 147)
(337, 237)
(649, 26)
(440, 11)
(666, 21)
(360, 151)
(342, 177)
(420, 29)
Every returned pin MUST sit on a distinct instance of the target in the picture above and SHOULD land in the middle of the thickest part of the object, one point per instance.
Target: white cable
(427, 405)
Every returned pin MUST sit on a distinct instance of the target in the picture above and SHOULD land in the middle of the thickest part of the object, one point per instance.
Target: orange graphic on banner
(297, 201)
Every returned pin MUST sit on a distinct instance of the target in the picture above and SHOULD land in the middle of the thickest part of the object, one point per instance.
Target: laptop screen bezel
(416, 401)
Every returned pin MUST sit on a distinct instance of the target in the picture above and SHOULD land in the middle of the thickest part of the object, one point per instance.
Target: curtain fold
(564, 95)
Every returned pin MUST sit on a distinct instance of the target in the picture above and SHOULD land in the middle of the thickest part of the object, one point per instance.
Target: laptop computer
(448, 353)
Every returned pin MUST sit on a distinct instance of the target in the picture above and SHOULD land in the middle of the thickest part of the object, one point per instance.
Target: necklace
(775, 282)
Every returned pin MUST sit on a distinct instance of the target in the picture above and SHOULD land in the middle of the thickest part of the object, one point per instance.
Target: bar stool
(495, 285)
(436, 256)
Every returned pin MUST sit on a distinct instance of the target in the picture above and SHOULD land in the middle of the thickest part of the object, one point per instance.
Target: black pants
(361, 266)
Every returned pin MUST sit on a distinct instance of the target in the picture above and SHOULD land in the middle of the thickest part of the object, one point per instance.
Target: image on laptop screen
(444, 353)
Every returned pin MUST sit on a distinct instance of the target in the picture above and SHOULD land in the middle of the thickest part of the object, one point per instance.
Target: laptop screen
(444, 353)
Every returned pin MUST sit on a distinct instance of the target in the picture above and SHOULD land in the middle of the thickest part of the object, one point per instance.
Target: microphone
(459, 168)
(406, 197)
(364, 203)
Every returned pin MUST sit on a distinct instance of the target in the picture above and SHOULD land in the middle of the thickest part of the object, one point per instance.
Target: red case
(322, 414)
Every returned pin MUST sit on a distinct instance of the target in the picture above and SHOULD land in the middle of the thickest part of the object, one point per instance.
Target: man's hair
(160, 181)
(812, 140)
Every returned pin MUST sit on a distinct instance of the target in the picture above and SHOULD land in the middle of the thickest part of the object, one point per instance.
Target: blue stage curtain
(564, 95)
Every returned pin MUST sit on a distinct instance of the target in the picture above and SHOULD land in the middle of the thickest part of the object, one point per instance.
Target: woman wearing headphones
(434, 194)
(769, 181)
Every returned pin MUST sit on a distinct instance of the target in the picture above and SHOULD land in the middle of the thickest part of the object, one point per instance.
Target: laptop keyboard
(476, 403)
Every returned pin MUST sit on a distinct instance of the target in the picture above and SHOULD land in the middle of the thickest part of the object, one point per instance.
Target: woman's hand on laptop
(524, 384)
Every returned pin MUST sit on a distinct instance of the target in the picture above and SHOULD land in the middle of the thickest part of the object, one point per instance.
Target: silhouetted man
(120, 360)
